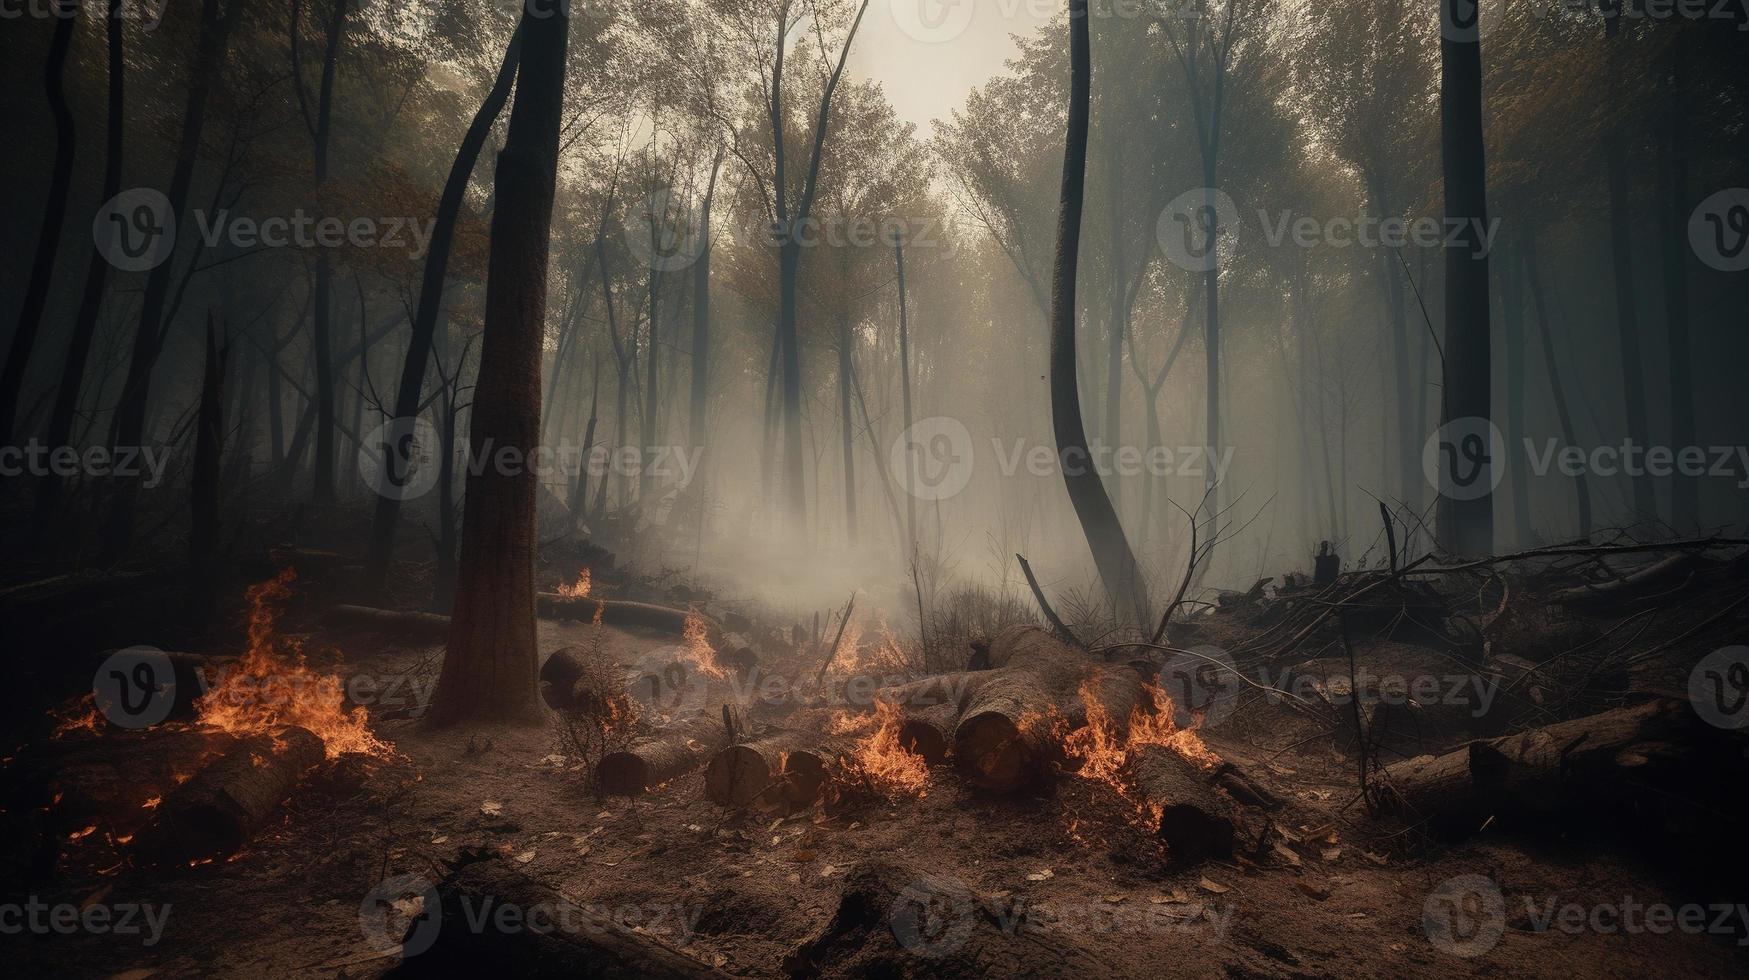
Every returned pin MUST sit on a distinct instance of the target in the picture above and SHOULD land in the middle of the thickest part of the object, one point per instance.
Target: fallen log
(494, 920)
(1194, 818)
(1632, 585)
(785, 768)
(411, 624)
(1659, 748)
(656, 761)
(619, 612)
(1011, 720)
(218, 811)
(928, 732)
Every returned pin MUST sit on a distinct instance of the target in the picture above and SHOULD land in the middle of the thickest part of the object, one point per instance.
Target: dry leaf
(525, 857)
(1313, 889)
(492, 808)
(440, 840)
(1286, 853)
(1213, 886)
(1378, 859)
(1332, 853)
(1114, 899)
(1046, 875)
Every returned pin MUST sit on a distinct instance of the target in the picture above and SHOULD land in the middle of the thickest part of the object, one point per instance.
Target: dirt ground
(1067, 871)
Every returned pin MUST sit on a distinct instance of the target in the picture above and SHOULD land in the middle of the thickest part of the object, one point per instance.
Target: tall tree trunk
(48, 242)
(905, 399)
(1627, 317)
(388, 508)
(647, 428)
(128, 425)
(847, 432)
(1517, 472)
(203, 501)
(50, 488)
(321, 325)
(490, 664)
(1465, 527)
(1684, 489)
(1563, 410)
(1099, 522)
(1408, 448)
(701, 316)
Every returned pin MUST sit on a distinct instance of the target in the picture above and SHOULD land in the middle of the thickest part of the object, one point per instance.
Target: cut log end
(992, 751)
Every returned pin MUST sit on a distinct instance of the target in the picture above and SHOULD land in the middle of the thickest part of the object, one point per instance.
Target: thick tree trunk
(48, 242)
(1099, 521)
(489, 666)
(1465, 527)
(425, 319)
(50, 488)
(1008, 731)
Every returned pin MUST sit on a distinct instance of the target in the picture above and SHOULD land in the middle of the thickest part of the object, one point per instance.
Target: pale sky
(926, 79)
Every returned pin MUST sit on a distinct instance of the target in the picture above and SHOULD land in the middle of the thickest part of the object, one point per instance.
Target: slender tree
(1099, 521)
(50, 488)
(48, 242)
(425, 317)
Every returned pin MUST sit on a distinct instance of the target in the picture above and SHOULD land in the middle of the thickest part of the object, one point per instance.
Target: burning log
(1660, 747)
(928, 732)
(214, 814)
(1009, 718)
(1194, 818)
(635, 770)
(789, 768)
(573, 941)
(411, 624)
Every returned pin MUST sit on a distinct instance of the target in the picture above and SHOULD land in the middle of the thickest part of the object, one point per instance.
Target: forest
(874, 488)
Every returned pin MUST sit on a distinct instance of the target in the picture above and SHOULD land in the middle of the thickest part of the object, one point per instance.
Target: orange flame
(878, 758)
(695, 637)
(271, 686)
(578, 591)
(79, 715)
(1104, 749)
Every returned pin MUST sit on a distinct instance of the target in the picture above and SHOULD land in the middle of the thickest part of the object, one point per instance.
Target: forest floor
(1067, 872)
